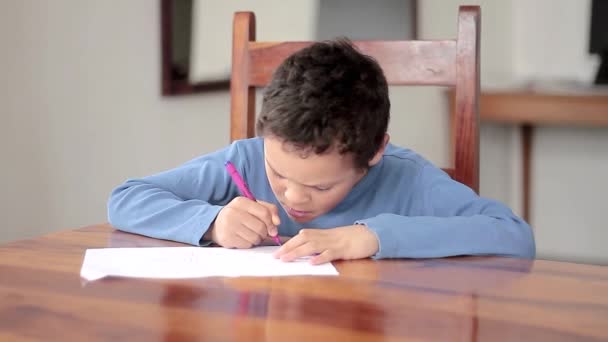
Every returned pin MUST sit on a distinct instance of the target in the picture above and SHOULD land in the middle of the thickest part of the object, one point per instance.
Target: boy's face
(308, 186)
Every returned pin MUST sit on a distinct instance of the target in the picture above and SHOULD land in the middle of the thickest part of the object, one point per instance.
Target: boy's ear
(378, 156)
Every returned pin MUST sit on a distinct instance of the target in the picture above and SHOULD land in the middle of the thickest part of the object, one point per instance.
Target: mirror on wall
(196, 35)
(176, 17)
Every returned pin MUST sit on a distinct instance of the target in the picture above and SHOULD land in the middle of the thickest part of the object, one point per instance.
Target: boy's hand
(350, 242)
(244, 223)
(268, 241)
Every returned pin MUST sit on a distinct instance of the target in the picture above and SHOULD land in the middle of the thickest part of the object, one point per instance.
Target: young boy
(325, 177)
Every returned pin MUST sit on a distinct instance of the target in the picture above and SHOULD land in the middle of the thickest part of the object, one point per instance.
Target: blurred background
(82, 110)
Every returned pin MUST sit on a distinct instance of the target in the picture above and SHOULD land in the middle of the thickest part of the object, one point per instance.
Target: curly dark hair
(328, 95)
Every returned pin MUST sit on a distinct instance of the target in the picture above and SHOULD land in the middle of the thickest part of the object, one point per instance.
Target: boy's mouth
(298, 214)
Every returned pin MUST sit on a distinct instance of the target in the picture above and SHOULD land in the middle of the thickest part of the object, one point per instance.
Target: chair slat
(404, 62)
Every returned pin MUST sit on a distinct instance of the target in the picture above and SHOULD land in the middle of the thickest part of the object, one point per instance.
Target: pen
(244, 189)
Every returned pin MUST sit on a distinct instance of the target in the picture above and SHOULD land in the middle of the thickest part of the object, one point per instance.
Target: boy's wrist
(372, 242)
(209, 234)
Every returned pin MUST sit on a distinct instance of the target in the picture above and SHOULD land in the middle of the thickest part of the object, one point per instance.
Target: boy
(325, 175)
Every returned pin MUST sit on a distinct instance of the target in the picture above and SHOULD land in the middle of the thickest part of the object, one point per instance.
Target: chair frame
(451, 62)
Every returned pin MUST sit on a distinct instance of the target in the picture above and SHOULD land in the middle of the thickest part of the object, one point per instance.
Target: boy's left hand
(325, 245)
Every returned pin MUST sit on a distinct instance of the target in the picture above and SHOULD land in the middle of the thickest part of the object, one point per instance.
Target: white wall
(212, 26)
(81, 110)
(552, 40)
(570, 163)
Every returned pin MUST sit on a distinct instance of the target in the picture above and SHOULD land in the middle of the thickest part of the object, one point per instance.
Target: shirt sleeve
(179, 204)
(453, 220)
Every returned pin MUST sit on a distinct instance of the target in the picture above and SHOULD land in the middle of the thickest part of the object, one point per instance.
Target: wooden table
(42, 297)
(533, 106)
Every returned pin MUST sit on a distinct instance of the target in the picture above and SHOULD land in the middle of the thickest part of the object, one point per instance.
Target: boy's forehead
(291, 161)
(277, 146)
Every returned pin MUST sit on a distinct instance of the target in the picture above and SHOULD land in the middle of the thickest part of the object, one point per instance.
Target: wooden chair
(451, 62)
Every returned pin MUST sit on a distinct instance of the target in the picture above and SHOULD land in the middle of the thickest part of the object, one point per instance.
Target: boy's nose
(295, 196)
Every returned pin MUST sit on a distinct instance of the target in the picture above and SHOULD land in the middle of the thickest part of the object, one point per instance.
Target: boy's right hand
(244, 223)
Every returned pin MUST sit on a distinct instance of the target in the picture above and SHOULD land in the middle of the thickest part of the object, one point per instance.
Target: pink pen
(244, 189)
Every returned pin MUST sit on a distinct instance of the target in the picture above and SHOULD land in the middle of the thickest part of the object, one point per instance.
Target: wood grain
(403, 62)
(455, 299)
(466, 109)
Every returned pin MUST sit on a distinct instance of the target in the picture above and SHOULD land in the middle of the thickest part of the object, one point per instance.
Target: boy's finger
(274, 212)
(263, 214)
(303, 250)
(322, 258)
(269, 241)
(255, 225)
(249, 235)
(237, 242)
(288, 246)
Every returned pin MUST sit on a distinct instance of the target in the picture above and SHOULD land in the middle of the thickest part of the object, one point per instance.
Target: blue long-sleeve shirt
(415, 209)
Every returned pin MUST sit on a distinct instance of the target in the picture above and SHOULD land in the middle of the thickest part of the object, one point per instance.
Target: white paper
(193, 262)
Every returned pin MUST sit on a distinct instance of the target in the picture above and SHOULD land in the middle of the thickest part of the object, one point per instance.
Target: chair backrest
(451, 62)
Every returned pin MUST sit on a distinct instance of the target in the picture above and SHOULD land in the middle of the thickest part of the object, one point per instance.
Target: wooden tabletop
(527, 107)
(42, 297)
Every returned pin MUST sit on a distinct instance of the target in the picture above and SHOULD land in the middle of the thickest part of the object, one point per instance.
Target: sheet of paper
(193, 262)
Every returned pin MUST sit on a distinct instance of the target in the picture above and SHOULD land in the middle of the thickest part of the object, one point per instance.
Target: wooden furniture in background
(531, 107)
(453, 62)
(42, 297)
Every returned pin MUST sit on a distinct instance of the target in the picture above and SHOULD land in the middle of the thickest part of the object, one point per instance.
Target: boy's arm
(453, 221)
(178, 204)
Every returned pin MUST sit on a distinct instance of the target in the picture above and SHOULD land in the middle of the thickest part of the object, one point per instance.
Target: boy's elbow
(115, 204)
(113, 217)
(528, 251)
(531, 250)
(526, 246)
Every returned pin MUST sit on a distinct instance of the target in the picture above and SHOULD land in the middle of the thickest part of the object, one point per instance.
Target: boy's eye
(318, 188)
